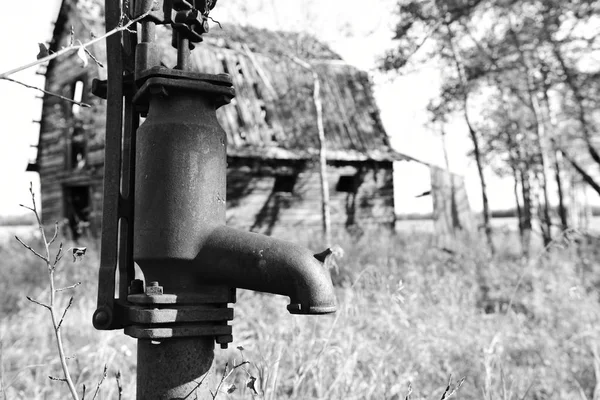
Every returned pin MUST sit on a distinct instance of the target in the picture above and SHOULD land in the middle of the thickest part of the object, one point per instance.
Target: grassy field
(409, 312)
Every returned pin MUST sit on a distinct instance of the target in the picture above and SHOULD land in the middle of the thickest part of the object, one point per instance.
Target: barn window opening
(77, 150)
(224, 65)
(257, 91)
(77, 209)
(265, 115)
(284, 183)
(347, 184)
(77, 96)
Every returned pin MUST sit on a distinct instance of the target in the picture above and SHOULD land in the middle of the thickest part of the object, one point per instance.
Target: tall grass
(409, 312)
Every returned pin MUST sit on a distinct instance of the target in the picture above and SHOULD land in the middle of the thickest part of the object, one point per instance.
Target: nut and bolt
(153, 289)
(136, 286)
(224, 340)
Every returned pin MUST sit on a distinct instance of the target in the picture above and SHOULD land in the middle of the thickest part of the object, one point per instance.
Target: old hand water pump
(169, 265)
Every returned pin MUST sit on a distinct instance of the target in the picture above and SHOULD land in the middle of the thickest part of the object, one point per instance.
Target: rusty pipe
(180, 236)
(257, 262)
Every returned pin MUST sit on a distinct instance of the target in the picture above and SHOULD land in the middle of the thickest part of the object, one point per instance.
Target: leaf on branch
(250, 384)
(43, 51)
(78, 253)
(81, 53)
(231, 388)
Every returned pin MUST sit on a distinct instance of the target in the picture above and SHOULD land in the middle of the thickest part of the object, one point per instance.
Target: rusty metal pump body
(164, 234)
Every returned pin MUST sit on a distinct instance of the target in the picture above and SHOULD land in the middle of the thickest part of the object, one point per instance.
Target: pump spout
(256, 262)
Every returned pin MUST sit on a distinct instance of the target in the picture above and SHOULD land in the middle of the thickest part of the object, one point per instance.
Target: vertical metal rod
(112, 169)
(148, 31)
(183, 53)
(175, 368)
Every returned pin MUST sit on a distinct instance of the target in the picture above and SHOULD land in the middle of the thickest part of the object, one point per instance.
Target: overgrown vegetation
(409, 312)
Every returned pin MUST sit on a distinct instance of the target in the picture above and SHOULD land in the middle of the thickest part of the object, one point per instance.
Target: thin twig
(28, 247)
(447, 393)
(57, 379)
(24, 206)
(408, 391)
(55, 233)
(65, 313)
(68, 287)
(197, 386)
(104, 374)
(58, 254)
(225, 376)
(38, 303)
(119, 385)
(52, 304)
(90, 55)
(75, 48)
(46, 92)
(215, 21)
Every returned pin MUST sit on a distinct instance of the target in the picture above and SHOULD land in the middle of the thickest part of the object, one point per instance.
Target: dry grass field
(409, 312)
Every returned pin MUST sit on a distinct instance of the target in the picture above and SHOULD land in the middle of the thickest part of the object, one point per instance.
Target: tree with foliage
(520, 74)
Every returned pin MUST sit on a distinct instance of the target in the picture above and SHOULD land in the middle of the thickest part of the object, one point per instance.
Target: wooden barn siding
(55, 130)
(243, 123)
(255, 207)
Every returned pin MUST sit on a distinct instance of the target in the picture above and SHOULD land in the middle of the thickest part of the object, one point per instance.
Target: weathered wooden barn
(272, 179)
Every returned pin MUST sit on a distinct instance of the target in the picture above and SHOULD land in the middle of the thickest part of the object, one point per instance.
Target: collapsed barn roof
(273, 114)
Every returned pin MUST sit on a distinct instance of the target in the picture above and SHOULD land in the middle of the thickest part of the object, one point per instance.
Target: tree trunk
(540, 136)
(517, 201)
(563, 215)
(562, 210)
(475, 139)
(586, 177)
(325, 208)
(569, 79)
(527, 206)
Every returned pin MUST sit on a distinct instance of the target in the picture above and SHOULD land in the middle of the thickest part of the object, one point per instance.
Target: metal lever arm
(104, 317)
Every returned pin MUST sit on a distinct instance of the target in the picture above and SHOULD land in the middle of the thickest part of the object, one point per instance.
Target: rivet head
(101, 318)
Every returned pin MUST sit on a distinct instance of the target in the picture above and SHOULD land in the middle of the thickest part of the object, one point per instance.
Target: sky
(357, 32)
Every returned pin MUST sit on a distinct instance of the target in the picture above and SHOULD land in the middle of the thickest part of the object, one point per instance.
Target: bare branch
(58, 255)
(46, 92)
(104, 373)
(65, 313)
(93, 57)
(55, 233)
(38, 303)
(28, 247)
(119, 385)
(29, 208)
(68, 287)
(75, 48)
